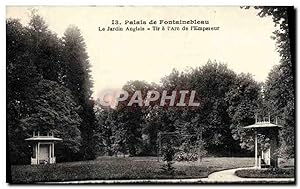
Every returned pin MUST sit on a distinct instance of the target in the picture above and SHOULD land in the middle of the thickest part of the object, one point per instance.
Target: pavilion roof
(263, 124)
(43, 138)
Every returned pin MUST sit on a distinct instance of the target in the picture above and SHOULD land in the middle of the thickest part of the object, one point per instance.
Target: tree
(21, 76)
(107, 135)
(211, 82)
(168, 157)
(280, 85)
(245, 101)
(131, 119)
(36, 97)
(45, 49)
(54, 110)
(77, 78)
(279, 94)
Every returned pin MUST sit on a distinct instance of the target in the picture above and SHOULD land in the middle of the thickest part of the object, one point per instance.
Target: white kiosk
(43, 148)
(269, 157)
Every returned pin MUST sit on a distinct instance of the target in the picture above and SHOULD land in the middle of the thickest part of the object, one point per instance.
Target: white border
(151, 2)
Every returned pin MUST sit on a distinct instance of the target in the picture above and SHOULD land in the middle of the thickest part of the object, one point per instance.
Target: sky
(243, 41)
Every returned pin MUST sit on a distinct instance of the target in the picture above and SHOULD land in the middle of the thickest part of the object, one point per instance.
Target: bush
(184, 156)
(168, 157)
(266, 173)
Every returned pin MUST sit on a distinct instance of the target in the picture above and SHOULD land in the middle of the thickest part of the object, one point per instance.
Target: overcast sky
(243, 41)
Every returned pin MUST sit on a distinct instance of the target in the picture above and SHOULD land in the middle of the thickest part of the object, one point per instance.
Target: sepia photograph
(150, 94)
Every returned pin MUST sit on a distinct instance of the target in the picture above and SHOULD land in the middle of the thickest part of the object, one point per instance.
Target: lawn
(121, 168)
(286, 170)
(266, 173)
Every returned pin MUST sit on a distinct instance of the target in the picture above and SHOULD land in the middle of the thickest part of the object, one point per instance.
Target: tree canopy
(39, 89)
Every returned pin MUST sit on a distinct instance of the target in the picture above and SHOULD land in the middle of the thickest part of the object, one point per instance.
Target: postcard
(150, 94)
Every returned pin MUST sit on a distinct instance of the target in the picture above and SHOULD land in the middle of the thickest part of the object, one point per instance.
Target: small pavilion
(43, 148)
(268, 157)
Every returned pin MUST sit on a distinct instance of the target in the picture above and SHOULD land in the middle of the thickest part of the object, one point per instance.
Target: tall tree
(212, 81)
(77, 78)
(36, 99)
(105, 130)
(245, 100)
(45, 49)
(22, 75)
(280, 85)
(279, 95)
(131, 118)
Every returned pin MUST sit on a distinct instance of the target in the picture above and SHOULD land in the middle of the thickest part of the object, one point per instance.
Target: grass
(121, 168)
(266, 173)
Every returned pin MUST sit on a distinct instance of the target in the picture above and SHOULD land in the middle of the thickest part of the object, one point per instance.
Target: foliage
(280, 85)
(131, 120)
(266, 173)
(39, 97)
(45, 49)
(54, 110)
(227, 102)
(245, 101)
(104, 128)
(168, 153)
(77, 78)
(212, 82)
(281, 102)
(22, 75)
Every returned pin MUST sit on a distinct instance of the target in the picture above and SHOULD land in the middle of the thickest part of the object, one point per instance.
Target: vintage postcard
(150, 94)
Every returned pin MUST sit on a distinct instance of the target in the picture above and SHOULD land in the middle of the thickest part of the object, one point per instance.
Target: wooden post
(200, 145)
(159, 146)
(38, 153)
(199, 150)
(53, 150)
(256, 149)
(273, 148)
(50, 153)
